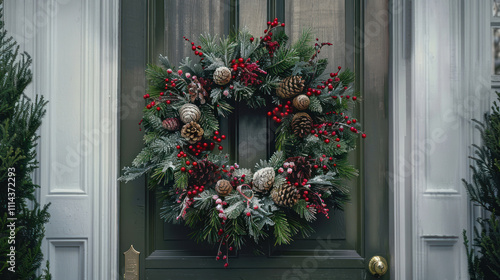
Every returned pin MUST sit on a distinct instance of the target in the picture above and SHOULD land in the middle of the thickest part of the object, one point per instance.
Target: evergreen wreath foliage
(315, 132)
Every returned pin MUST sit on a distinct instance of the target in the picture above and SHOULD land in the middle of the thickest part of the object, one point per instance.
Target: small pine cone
(204, 173)
(290, 87)
(301, 124)
(222, 75)
(285, 195)
(301, 102)
(263, 179)
(189, 112)
(301, 169)
(171, 124)
(223, 187)
(193, 132)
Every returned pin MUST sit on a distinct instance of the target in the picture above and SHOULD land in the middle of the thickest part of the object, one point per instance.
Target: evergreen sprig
(20, 119)
(484, 253)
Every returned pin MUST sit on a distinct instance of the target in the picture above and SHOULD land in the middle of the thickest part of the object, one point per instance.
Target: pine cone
(204, 173)
(222, 75)
(196, 91)
(301, 124)
(189, 112)
(263, 179)
(192, 131)
(171, 124)
(301, 102)
(301, 169)
(223, 187)
(290, 87)
(285, 195)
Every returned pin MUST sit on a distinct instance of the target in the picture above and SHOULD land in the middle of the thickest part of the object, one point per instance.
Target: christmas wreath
(222, 203)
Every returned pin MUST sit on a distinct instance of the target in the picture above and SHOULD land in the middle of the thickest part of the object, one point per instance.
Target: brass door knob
(378, 266)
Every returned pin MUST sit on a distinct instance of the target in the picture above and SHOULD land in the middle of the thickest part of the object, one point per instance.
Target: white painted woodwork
(439, 81)
(74, 45)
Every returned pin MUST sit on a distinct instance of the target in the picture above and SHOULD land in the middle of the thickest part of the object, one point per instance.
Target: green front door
(342, 245)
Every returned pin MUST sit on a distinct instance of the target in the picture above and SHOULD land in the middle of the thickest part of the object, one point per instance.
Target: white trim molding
(75, 49)
(440, 80)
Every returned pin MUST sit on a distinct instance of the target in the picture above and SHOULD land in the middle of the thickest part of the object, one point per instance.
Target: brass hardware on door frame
(131, 264)
(377, 266)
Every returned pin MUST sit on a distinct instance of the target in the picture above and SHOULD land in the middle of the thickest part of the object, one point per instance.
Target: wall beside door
(74, 45)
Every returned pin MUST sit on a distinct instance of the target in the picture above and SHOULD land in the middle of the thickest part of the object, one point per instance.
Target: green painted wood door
(342, 245)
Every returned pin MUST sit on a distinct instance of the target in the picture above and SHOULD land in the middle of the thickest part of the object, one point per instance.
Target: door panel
(338, 249)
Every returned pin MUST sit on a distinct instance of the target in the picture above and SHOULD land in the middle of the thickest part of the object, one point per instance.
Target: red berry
(195, 163)
(327, 141)
(178, 147)
(226, 265)
(183, 169)
(168, 101)
(251, 39)
(282, 25)
(158, 108)
(223, 137)
(220, 148)
(188, 163)
(338, 145)
(363, 135)
(248, 214)
(354, 98)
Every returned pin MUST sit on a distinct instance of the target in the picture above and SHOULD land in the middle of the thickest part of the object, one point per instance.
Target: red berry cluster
(315, 201)
(247, 72)
(238, 63)
(162, 98)
(270, 45)
(181, 154)
(193, 191)
(279, 112)
(172, 81)
(229, 170)
(317, 47)
(201, 147)
(218, 139)
(195, 49)
(313, 91)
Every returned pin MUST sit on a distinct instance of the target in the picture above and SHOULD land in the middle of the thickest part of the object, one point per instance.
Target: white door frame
(75, 49)
(428, 209)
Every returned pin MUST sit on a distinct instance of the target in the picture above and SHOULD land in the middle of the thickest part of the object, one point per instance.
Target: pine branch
(208, 121)
(306, 213)
(283, 61)
(303, 46)
(282, 231)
